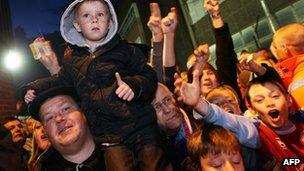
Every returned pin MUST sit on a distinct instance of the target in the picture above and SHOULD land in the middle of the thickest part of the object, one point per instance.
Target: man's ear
(76, 25)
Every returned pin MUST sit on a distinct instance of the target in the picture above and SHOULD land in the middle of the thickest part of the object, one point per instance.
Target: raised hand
(29, 96)
(202, 53)
(169, 23)
(123, 91)
(48, 58)
(154, 23)
(247, 63)
(212, 6)
(188, 93)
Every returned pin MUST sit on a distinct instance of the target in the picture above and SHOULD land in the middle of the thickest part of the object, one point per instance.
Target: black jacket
(112, 120)
(52, 160)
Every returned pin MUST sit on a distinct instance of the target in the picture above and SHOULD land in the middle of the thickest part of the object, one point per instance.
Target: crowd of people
(107, 107)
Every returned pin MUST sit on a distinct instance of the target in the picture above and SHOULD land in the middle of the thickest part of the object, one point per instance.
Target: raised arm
(226, 58)
(169, 25)
(213, 8)
(48, 57)
(154, 25)
(243, 127)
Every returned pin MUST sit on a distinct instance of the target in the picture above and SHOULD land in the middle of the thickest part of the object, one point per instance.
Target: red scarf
(277, 148)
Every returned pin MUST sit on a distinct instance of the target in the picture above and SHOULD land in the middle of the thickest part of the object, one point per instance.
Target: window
(237, 40)
(298, 8)
(247, 34)
(196, 10)
(285, 16)
(263, 28)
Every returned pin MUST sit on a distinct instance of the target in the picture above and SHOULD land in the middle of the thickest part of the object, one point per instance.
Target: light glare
(12, 60)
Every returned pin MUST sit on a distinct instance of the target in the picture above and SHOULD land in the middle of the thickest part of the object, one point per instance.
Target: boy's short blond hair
(102, 1)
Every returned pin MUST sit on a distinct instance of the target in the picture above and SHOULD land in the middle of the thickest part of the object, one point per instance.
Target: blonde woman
(40, 144)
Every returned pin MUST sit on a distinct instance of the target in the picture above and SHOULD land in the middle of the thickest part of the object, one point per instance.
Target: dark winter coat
(112, 119)
(52, 160)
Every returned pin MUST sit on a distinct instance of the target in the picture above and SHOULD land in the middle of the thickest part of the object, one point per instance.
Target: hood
(72, 36)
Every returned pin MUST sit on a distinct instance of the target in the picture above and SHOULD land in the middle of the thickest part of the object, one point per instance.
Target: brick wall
(7, 95)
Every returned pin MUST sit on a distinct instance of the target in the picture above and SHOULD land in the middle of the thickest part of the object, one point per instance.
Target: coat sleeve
(156, 59)
(226, 60)
(244, 128)
(40, 85)
(169, 77)
(143, 80)
(143, 84)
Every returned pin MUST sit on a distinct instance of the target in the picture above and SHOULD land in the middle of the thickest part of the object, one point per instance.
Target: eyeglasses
(166, 101)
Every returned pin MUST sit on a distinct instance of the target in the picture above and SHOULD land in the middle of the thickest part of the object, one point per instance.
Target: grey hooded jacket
(92, 72)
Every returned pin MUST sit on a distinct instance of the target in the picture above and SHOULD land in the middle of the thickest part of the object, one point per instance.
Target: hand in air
(212, 6)
(169, 23)
(48, 57)
(154, 22)
(188, 93)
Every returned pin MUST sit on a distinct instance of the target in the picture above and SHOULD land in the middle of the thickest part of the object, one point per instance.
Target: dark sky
(37, 16)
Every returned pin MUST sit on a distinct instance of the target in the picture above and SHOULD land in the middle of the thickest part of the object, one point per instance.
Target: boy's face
(92, 20)
(225, 100)
(208, 81)
(222, 161)
(270, 103)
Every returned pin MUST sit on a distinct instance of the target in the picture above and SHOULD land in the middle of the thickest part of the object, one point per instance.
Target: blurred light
(12, 60)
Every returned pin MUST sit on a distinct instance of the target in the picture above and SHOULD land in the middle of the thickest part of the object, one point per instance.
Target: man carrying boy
(114, 82)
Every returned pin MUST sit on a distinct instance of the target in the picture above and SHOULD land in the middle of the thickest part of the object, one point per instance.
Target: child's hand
(154, 23)
(189, 93)
(202, 53)
(169, 23)
(123, 91)
(247, 63)
(48, 58)
(29, 96)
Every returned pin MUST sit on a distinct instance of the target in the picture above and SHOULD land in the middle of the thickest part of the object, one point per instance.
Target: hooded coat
(92, 73)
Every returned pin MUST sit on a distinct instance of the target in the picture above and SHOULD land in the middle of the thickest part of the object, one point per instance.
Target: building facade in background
(7, 94)
(195, 26)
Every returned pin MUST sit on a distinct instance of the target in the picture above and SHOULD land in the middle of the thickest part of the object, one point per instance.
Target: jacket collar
(53, 155)
(85, 51)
